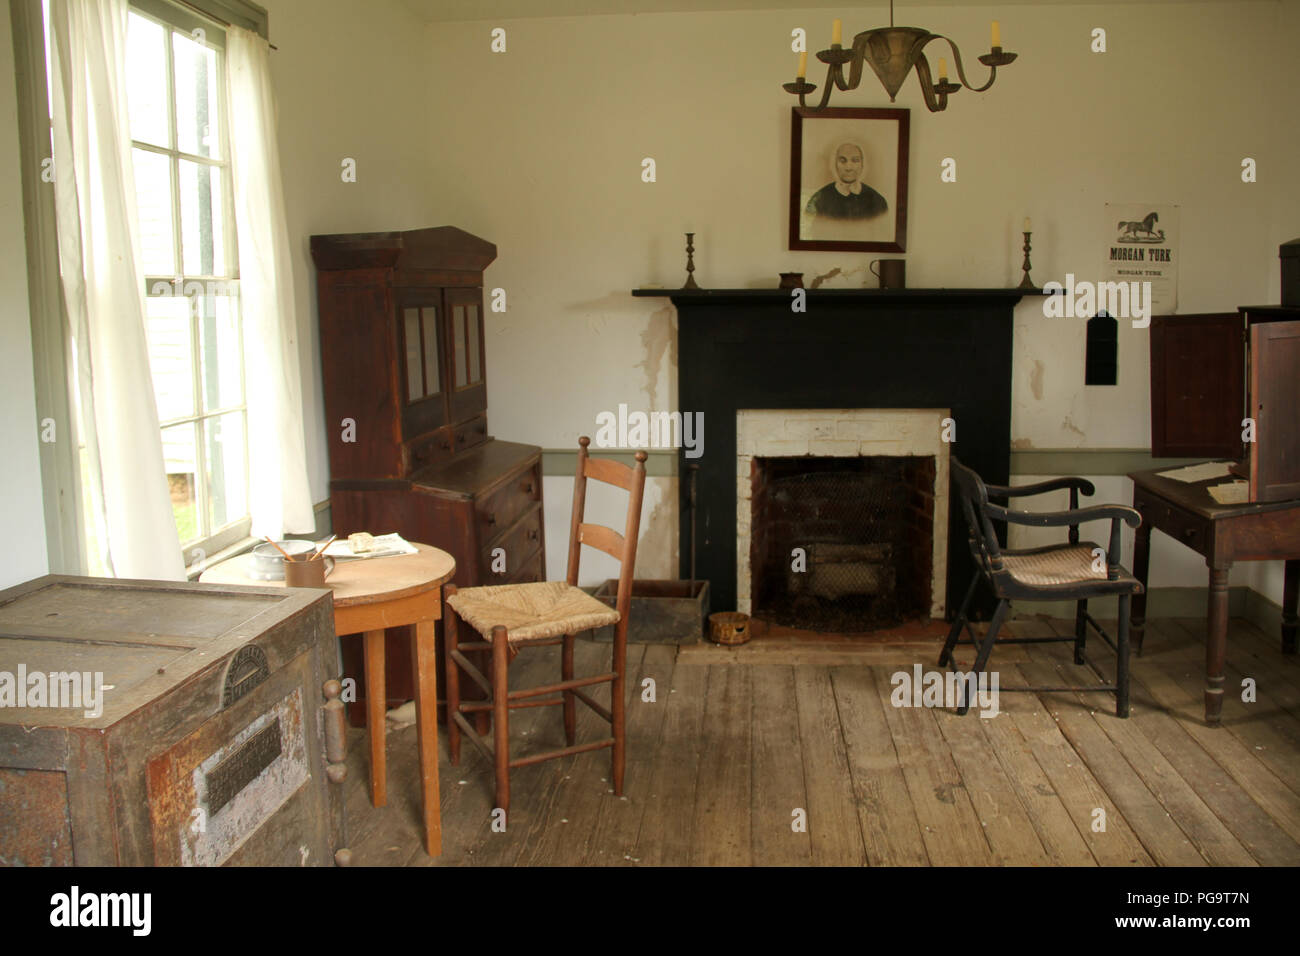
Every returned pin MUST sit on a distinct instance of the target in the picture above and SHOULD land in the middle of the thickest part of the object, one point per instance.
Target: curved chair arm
(1075, 517)
(1038, 488)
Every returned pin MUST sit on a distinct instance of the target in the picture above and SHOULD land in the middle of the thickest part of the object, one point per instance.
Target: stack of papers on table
(1202, 472)
(385, 546)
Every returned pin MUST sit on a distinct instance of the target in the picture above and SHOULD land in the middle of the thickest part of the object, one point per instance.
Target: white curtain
(279, 495)
(131, 516)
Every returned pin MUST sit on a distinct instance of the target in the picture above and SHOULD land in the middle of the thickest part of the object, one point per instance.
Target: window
(175, 95)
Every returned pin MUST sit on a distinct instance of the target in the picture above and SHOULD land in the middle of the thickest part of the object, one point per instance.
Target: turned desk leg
(1141, 565)
(1290, 599)
(1216, 644)
(376, 697)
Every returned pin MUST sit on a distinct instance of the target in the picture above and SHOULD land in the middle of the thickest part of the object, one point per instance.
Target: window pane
(196, 97)
(219, 344)
(414, 389)
(146, 80)
(202, 232)
(167, 327)
(458, 349)
(475, 366)
(432, 379)
(182, 480)
(153, 194)
(227, 469)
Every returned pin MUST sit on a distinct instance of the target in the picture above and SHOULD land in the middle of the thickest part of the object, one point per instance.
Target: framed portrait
(848, 179)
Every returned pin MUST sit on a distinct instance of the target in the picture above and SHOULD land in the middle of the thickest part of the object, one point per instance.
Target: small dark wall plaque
(1101, 362)
(241, 768)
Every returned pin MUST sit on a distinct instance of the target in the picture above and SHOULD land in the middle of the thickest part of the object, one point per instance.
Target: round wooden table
(371, 594)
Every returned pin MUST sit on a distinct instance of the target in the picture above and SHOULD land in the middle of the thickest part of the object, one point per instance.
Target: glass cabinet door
(423, 366)
(467, 395)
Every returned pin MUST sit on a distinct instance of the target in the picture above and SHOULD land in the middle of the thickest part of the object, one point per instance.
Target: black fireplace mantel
(850, 348)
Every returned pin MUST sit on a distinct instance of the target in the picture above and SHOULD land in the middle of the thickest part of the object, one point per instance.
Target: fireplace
(841, 516)
(862, 349)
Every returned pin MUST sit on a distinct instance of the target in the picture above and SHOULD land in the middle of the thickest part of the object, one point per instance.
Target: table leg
(1141, 564)
(376, 699)
(423, 663)
(1290, 600)
(1216, 644)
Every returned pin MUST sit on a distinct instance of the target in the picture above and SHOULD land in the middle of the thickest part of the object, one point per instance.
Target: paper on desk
(1202, 472)
(1231, 493)
(386, 545)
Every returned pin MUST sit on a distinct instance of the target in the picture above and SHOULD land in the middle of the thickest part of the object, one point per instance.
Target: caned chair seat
(1058, 566)
(532, 611)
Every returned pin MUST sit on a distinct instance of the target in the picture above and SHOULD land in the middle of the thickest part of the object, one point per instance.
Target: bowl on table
(268, 563)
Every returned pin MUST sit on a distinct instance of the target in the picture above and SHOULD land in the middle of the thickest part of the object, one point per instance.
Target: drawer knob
(532, 534)
(492, 517)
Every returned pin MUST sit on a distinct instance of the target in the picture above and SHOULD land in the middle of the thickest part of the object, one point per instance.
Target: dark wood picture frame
(804, 228)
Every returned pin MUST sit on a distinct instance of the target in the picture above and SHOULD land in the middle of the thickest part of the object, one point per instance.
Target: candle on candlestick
(1027, 229)
(943, 70)
(997, 34)
(803, 65)
(836, 32)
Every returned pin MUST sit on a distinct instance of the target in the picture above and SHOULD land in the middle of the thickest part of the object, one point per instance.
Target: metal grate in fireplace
(842, 544)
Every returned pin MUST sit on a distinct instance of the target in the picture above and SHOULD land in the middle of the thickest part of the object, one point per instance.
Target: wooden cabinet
(1210, 372)
(192, 733)
(405, 376)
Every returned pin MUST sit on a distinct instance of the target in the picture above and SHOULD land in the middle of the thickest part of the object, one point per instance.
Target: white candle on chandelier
(836, 32)
(1027, 229)
(997, 34)
(803, 65)
(943, 70)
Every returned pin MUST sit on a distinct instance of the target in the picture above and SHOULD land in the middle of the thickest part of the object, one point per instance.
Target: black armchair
(1071, 571)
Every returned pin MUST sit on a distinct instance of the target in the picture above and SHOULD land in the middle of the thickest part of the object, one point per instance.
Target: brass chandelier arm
(935, 101)
(961, 71)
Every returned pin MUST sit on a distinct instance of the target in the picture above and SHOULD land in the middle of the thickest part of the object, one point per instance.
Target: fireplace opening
(842, 544)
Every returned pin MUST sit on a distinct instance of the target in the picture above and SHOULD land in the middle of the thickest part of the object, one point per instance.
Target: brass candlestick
(690, 262)
(1026, 282)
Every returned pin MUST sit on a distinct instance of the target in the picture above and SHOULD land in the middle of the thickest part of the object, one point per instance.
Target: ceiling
(452, 10)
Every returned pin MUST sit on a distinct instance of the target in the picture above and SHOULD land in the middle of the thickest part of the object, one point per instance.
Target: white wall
(24, 556)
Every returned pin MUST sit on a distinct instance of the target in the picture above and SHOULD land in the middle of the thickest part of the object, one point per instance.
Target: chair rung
(552, 754)
(485, 746)
(1024, 640)
(486, 706)
(1111, 688)
(598, 708)
(473, 646)
(562, 685)
(471, 671)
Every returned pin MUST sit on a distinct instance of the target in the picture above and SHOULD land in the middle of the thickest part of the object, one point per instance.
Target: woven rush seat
(531, 611)
(1055, 566)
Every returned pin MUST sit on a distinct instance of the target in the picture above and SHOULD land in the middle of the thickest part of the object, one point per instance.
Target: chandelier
(892, 52)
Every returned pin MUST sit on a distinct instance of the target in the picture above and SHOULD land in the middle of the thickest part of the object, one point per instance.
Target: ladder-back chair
(1070, 571)
(511, 616)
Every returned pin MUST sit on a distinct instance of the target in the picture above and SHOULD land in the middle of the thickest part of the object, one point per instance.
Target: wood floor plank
(1149, 818)
(1070, 777)
(664, 837)
(618, 822)
(721, 831)
(1012, 837)
(950, 826)
(833, 823)
(890, 829)
(777, 768)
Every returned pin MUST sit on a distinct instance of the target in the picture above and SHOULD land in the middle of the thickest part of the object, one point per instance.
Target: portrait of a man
(863, 153)
(847, 197)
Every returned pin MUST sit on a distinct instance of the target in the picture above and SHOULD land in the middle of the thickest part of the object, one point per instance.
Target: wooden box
(1209, 373)
(662, 612)
(203, 745)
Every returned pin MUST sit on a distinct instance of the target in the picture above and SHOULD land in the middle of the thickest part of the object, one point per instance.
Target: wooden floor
(737, 741)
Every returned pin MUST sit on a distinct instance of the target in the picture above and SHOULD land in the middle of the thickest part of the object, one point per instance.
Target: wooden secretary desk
(405, 378)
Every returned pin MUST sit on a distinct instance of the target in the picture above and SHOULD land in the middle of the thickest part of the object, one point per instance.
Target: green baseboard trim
(659, 462)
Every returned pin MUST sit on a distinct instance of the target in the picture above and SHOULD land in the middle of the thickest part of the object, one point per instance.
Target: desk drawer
(501, 508)
(1183, 526)
(519, 543)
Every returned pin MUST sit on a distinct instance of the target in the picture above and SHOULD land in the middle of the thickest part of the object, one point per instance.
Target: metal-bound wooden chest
(158, 723)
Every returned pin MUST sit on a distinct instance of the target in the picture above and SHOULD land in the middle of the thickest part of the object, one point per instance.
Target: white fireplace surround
(841, 433)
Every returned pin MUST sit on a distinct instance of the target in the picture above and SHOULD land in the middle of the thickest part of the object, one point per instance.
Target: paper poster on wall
(1142, 247)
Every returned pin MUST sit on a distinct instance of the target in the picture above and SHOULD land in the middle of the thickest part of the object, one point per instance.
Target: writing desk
(1222, 534)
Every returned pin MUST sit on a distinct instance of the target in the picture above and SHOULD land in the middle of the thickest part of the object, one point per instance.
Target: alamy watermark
(1122, 300)
(919, 688)
(626, 429)
(83, 690)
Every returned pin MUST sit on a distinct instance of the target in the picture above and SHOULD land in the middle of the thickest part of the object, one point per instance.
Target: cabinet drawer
(498, 510)
(431, 448)
(471, 433)
(1191, 530)
(518, 542)
(533, 569)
